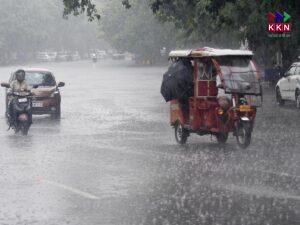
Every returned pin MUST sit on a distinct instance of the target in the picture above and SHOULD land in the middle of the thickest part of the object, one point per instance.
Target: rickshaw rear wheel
(243, 135)
(222, 137)
(181, 134)
(279, 99)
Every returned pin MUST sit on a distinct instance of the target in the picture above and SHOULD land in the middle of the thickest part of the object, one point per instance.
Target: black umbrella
(177, 81)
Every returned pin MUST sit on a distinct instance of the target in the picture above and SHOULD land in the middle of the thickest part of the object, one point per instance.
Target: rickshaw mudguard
(202, 114)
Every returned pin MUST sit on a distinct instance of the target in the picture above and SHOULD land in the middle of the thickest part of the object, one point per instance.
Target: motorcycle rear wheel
(24, 128)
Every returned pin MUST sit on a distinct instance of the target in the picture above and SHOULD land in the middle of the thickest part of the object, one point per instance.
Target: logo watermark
(279, 24)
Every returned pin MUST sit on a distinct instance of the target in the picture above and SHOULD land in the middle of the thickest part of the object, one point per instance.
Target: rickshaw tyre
(248, 134)
(279, 99)
(222, 137)
(184, 135)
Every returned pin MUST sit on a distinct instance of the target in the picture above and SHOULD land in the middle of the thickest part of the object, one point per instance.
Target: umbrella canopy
(178, 81)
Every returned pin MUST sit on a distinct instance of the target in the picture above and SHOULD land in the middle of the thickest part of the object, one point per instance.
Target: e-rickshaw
(218, 74)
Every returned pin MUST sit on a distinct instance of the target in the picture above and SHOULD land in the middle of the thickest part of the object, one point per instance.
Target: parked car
(118, 56)
(43, 57)
(75, 56)
(288, 87)
(101, 54)
(52, 56)
(62, 56)
(47, 98)
(94, 57)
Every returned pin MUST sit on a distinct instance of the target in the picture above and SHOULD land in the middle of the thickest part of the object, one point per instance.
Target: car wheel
(279, 99)
(57, 113)
(298, 99)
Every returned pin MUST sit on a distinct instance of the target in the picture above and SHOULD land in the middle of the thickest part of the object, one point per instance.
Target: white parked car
(101, 54)
(288, 87)
(43, 57)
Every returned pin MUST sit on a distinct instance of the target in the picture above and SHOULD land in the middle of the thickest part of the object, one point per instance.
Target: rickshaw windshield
(239, 75)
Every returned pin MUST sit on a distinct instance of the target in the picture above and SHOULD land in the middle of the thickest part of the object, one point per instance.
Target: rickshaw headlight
(220, 111)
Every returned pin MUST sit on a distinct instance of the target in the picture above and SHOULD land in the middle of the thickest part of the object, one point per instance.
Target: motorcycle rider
(17, 85)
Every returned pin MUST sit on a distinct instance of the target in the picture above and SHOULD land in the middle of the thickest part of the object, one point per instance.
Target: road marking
(262, 192)
(71, 189)
(254, 190)
(280, 174)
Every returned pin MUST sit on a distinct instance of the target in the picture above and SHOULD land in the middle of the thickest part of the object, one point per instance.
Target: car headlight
(54, 94)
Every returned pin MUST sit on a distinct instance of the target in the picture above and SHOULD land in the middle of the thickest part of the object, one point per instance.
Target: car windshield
(40, 78)
(239, 74)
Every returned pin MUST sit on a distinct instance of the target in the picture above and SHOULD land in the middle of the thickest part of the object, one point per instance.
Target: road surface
(112, 159)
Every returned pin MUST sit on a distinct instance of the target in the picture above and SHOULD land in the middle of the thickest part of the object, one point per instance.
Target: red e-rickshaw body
(205, 115)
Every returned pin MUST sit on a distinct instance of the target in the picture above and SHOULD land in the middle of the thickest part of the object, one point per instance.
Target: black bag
(178, 81)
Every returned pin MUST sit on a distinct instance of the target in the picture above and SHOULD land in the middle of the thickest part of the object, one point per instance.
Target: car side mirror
(6, 85)
(61, 84)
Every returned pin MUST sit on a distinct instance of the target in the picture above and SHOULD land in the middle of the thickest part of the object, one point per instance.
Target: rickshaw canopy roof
(209, 52)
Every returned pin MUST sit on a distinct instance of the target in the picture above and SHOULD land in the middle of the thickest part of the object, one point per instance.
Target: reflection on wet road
(112, 159)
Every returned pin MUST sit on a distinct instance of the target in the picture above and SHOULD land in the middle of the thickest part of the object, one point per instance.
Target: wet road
(112, 159)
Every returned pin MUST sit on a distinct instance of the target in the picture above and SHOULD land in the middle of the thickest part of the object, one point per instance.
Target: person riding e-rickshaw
(226, 93)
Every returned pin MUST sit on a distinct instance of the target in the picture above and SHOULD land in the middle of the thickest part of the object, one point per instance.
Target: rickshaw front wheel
(243, 135)
(181, 134)
(222, 137)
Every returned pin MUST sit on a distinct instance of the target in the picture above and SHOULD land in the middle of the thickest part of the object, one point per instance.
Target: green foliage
(136, 30)
(77, 7)
(31, 24)
(228, 22)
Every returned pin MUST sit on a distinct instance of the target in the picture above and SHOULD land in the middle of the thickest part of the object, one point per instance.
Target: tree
(236, 20)
(77, 7)
(227, 23)
(136, 30)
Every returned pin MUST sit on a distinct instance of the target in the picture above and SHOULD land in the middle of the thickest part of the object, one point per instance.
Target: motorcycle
(94, 58)
(21, 106)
